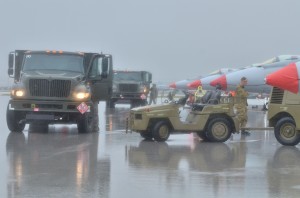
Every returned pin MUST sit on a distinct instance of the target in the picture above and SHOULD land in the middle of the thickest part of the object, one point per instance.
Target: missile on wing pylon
(182, 84)
(286, 78)
(205, 81)
(255, 75)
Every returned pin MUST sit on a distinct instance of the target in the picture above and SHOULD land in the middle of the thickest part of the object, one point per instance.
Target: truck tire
(161, 131)
(133, 103)
(89, 121)
(13, 119)
(218, 130)
(111, 104)
(203, 136)
(146, 135)
(85, 123)
(286, 133)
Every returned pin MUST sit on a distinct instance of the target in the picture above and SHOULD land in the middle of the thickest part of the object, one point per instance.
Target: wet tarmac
(113, 164)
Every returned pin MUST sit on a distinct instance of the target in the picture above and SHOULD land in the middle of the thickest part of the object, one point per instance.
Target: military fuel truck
(284, 116)
(212, 122)
(57, 87)
(130, 86)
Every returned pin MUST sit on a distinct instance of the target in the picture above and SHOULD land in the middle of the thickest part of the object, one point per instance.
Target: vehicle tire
(84, 123)
(13, 119)
(110, 104)
(286, 133)
(218, 130)
(146, 135)
(203, 136)
(134, 103)
(161, 131)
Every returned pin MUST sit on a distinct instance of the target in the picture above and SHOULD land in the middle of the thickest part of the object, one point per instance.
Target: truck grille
(49, 88)
(128, 87)
(277, 96)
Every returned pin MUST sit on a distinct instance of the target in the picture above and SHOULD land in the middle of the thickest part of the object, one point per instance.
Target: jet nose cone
(194, 84)
(172, 85)
(221, 80)
(286, 78)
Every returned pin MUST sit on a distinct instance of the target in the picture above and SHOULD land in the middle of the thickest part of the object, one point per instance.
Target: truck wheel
(161, 131)
(133, 104)
(13, 119)
(286, 133)
(111, 104)
(218, 130)
(203, 136)
(146, 135)
(85, 123)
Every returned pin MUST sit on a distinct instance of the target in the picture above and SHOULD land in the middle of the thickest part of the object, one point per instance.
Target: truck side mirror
(11, 58)
(150, 78)
(105, 66)
(10, 71)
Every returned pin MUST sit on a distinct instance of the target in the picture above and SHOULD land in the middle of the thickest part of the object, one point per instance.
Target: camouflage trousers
(241, 111)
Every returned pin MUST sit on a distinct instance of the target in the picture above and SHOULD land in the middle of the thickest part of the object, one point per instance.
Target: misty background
(173, 39)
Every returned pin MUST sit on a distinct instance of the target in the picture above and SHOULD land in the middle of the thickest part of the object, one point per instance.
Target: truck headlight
(81, 92)
(17, 92)
(81, 95)
(143, 89)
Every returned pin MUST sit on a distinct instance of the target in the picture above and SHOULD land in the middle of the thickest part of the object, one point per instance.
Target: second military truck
(57, 87)
(130, 86)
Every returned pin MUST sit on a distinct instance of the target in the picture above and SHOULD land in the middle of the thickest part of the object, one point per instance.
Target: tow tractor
(212, 122)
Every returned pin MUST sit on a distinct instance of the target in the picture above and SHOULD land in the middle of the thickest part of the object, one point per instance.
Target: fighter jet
(205, 81)
(286, 78)
(255, 74)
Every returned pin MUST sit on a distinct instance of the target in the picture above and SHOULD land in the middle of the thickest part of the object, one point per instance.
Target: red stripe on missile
(221, 80)
(194, 84)
(172, 85)
(286, 78)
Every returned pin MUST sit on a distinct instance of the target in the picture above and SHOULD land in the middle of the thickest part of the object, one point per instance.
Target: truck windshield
(134, 76)
(64, 62)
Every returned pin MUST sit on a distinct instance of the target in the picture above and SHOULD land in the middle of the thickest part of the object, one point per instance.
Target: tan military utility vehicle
(212, 122)
(284, 116)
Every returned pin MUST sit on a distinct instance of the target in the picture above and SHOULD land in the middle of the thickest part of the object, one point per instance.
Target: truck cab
(57, 87)
(284, 116)
(130, 86)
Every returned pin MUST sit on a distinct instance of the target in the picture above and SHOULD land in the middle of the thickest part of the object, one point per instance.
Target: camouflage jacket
(241, 95)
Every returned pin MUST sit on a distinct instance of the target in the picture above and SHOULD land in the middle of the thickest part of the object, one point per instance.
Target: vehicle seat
(198, 106)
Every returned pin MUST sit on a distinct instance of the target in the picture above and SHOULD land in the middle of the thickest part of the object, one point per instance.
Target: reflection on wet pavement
(59, 162)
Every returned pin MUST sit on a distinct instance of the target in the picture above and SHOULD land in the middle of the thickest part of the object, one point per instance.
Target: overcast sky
(174, 39)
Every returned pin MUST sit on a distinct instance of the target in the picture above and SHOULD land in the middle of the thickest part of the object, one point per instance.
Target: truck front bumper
(47, 106)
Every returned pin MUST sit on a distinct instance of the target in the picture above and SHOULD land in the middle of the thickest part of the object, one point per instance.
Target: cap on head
(243, 78)
(218, 86)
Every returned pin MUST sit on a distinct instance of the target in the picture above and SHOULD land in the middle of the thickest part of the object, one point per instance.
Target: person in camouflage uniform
(241, 105)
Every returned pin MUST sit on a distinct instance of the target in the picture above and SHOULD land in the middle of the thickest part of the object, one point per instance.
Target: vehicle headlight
(81, 92)
(17, 92)
(81, 95)
(143, 89)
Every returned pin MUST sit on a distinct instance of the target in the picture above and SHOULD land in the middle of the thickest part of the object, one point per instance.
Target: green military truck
(57, 87)
(130, 86)
(284, 116)
(212, 122)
